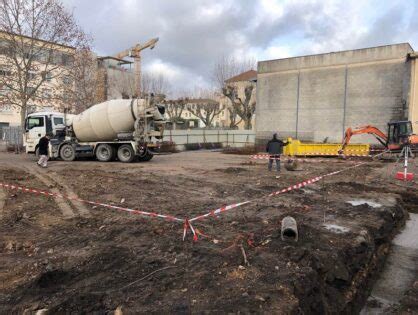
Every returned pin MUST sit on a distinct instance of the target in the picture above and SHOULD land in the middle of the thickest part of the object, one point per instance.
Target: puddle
(336, 228)
(370, 203)
(399, 272)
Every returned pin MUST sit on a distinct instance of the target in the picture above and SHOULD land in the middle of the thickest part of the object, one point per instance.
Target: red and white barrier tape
(285, 190)
(267, 156)
(186, 222)
(51, 194)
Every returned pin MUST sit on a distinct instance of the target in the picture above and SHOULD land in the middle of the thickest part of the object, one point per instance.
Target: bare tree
(38, 41)
(234, 119)
(225, 68)
(228, 66)
(82, 82)
(245, 107)
(204, 109)
(155, 83)
(175, 108)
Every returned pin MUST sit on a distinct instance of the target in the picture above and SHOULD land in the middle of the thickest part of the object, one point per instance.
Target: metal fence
(235, 138)
(12, 137)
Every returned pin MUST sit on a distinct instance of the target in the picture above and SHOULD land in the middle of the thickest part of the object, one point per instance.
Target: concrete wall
(317, 97)
(10, 116)
(413, 95)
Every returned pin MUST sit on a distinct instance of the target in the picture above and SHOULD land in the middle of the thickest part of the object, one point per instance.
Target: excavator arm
(380, 136)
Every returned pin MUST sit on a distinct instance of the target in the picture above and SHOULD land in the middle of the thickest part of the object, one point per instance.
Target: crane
(135, 53)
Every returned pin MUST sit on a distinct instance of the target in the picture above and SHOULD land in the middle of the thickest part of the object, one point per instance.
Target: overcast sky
(195, 33)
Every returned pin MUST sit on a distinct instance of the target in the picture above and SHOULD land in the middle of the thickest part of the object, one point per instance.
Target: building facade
(117, 78)
(56, 80)
(315, 98)
(192, 108)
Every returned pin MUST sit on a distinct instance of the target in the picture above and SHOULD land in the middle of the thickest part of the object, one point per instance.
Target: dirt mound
(232, 170)
(247, 150)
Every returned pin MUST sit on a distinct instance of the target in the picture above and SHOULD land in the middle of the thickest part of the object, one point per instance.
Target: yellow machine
(297, 148)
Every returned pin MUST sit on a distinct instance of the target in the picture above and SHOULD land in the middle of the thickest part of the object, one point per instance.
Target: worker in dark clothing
(43, 151)
(274, 149)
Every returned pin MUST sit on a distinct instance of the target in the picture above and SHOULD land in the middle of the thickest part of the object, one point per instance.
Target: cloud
(195, 33)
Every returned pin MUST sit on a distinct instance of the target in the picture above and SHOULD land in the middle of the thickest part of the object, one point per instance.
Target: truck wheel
(147, 157)
(105, 152)
(126, 153)
(67, 152)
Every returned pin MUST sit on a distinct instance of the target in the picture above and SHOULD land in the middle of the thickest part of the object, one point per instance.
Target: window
(58, 121)
(35, 122)
(66, 96)
(46, 93)
(66, 80)
(5, 73)
(30, 90)
(56, 58)
(405, 129)
(42, 55)
(4, 90)
(47, 76)
(31, 75)
(4, 48)
(67, 60)
(6, 108)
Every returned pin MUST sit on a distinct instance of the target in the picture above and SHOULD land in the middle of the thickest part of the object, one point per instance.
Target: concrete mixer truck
(122, 129)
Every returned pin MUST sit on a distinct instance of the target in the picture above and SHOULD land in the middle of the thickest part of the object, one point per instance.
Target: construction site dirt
(66, 256)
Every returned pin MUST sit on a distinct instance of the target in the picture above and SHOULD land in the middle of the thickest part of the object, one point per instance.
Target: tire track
(66, 208)
(80, 207)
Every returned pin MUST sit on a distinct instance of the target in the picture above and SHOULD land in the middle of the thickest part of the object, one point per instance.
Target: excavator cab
(399, 132)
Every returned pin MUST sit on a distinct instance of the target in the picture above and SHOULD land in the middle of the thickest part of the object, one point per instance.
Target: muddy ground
(70, 257)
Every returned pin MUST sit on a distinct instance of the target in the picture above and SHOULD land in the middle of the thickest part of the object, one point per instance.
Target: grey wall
(318, 97)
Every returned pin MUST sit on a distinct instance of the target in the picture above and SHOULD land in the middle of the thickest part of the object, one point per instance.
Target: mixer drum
(103, 121)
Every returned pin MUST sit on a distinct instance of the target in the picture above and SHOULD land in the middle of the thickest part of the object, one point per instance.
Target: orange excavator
(399, 135)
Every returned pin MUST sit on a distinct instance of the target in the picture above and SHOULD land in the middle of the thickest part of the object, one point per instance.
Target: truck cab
(38, 125)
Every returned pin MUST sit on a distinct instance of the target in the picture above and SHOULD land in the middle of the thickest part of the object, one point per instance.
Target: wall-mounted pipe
(289, 229)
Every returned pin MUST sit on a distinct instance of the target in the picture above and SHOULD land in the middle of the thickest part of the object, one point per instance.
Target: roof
(121, 61)
(336, 58)
(250, 75)
(201, 101)
(39, 40)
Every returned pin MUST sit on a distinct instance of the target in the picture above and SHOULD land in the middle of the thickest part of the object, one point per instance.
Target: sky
(194, 34)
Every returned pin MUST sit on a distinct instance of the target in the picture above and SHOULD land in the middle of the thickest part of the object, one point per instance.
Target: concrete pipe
(289, 228)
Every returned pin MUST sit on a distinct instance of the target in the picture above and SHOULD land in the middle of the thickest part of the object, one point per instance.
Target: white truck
(122, 129)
